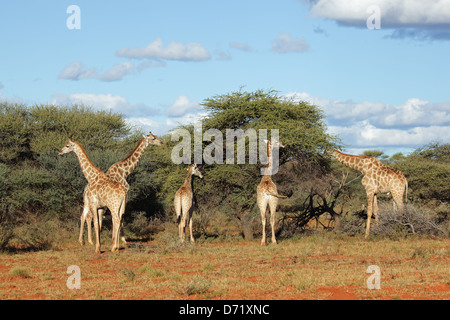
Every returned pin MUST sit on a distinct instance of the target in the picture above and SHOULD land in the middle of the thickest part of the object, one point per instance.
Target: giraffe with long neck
(378, 178)
(118, 172)
(266, 192)
(183, 202)
(103, 193)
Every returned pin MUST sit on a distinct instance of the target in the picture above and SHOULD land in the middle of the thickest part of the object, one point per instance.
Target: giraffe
(183, 202)
(378, 178)
(103, 193)
(118, 172)
(266, 192)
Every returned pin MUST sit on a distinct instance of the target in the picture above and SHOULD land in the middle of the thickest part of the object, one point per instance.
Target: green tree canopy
(428, 172)
(26, 132)
(300, 124)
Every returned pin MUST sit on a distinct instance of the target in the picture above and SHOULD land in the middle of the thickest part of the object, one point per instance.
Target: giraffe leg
(369, 213)
(182, 226)
(375, 208)
(263, 220)
(117, 224)
(121, 223)
(273, 209)
(93, 209)
(89, 227)
(85, 214)
(101, 212)
(116, 233)
(122, 238)
(262, 203)
(178, 211)
(80, 238)
(190, 225)
(398, 201)
(82, 220)
(190, 228)
(183, 229)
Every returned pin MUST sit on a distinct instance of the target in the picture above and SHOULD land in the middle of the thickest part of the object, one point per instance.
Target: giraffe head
(69, 147)
(274, 143)
(152, 139)
(329, 152)
(195, 171)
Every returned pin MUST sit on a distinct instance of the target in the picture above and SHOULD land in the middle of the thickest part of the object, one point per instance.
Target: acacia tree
(232, 187)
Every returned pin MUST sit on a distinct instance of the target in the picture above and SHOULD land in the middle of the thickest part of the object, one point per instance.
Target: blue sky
(155, 62)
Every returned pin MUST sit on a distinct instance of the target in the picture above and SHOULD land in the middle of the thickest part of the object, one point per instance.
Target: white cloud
(74, 71)
(285, 43)
(99, 101)
(240, 46)
(153, 54)
(147, 124)
(192, 51)
(182, 111)
(409, 18)
(77, 71)
(117, 72)
(222, 55)
(108, 101)
(393, 13)
(374, 124)
(414, 112)
(182, 106)
(188, 118)
(364, 134)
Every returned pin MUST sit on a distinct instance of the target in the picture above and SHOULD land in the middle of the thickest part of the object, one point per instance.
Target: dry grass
(320, 266)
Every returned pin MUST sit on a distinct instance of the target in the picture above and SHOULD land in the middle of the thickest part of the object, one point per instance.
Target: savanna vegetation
(41, 194)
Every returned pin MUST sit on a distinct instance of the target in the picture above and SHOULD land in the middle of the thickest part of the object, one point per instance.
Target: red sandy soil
(105, 276)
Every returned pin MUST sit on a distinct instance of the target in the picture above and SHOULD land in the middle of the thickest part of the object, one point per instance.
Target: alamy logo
(74, 281)
(374, 20)
(373, 281)
(74, 20)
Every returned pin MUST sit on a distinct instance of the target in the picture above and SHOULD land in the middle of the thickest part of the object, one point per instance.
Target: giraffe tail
(122, 206)
(178, 212)
(276, 195)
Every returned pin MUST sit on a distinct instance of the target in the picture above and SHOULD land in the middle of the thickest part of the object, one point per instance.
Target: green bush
(6, 234)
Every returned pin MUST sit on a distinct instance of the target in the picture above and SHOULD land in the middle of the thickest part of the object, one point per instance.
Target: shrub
(143, 227)
(395, 224)
(20, 272)
(407, 222)
(6, 234)
(41, 234)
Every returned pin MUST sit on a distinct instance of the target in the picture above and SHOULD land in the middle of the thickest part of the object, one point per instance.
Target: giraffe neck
(89, 170)
(356, 162)
(188, 180)
(127, 165)
(268, 170)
